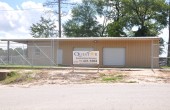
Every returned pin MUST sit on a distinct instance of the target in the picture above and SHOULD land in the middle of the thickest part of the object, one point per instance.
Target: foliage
(13, 76)
(17, 77)
(84, 21)
(150, 16)
(43, 29)
(118, 18)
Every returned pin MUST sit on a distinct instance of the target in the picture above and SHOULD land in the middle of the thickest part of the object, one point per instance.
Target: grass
(16, 77)
(165, 67)
(113, 78)
(27, 67)
(23, 66)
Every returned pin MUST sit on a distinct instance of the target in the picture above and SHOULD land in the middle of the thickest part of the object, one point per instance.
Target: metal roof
(81, 39)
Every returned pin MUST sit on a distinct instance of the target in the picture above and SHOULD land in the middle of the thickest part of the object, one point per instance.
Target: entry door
(114, 56)
(59, 56)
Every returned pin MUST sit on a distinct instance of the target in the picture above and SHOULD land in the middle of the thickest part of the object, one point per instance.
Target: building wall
(138, 53)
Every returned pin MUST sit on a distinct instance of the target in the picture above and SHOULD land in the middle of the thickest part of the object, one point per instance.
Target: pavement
(86, 97)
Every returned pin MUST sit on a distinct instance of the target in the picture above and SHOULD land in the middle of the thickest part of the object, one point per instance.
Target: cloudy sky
(16, 17)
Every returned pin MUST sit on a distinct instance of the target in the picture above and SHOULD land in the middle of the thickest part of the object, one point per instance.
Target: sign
(85, 57)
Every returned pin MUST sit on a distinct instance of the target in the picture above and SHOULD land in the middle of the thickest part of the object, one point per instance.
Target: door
(114, 56)
(59, 56)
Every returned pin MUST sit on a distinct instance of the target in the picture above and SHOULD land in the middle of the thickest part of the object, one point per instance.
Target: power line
(58, 3)
(23, 9)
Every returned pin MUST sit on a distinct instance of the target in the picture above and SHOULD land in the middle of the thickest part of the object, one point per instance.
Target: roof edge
(83, 38)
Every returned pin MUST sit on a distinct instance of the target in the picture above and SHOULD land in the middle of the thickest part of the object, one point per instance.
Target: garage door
(83, 49)
(114, 56)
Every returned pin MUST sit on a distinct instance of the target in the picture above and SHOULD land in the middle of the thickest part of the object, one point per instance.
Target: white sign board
(85, 57)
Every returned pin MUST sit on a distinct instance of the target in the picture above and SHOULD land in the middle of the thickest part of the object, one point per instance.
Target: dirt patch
(67, 76)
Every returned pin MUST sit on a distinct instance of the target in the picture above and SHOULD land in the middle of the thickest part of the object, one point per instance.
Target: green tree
(84, 21)
(43, 29)
(120, 17)
(150, 16)
(114, 22)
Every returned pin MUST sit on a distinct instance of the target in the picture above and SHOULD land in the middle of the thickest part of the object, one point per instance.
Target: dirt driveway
(84, 76)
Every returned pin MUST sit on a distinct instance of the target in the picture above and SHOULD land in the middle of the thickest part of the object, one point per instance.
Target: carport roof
(80, 39)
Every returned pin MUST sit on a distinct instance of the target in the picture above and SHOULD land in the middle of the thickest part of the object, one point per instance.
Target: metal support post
(8, 46)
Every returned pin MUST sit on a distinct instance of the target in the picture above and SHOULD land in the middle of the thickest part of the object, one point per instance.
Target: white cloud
(16, 23)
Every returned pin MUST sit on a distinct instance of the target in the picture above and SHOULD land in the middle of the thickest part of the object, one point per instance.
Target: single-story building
(113, 51)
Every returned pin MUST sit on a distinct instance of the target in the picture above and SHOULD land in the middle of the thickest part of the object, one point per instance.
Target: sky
(16, 17)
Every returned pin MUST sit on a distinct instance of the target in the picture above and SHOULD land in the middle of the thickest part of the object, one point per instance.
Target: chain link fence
(163, 54)
(22, 54)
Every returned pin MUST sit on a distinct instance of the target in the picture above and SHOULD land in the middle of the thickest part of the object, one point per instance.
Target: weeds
(16, 77)
(113, 78)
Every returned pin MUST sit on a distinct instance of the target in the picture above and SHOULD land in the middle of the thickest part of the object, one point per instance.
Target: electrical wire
(23, 9)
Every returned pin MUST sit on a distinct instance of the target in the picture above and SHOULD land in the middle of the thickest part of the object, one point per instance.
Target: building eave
(80, 39)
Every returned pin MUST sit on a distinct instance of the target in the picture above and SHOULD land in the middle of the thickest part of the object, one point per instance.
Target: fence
(22, 54)
(163, 54)
(55, 52)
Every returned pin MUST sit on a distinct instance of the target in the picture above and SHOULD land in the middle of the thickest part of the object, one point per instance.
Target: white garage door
(83, 49)
(114, 56)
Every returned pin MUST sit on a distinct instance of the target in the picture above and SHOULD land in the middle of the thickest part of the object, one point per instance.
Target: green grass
(165, 67)
(16, 77)
(25, 67)
(113, 78)
(13, 76)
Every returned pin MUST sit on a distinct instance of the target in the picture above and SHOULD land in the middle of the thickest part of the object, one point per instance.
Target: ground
(31, 77)
(85, 89)
(112, 96)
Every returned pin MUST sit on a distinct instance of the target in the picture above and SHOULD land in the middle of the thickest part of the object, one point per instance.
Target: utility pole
(168, 61)
(58, 3)
(59, 18)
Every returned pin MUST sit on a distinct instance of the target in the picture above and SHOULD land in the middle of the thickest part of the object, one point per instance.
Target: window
(37, 51)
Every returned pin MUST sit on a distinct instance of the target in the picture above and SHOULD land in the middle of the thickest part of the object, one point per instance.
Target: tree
(84, 21)
(114, 22)
(120, 17)
(44, 29)
(150, 16)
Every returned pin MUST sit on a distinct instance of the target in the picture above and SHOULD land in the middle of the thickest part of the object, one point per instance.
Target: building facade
(113, 51)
